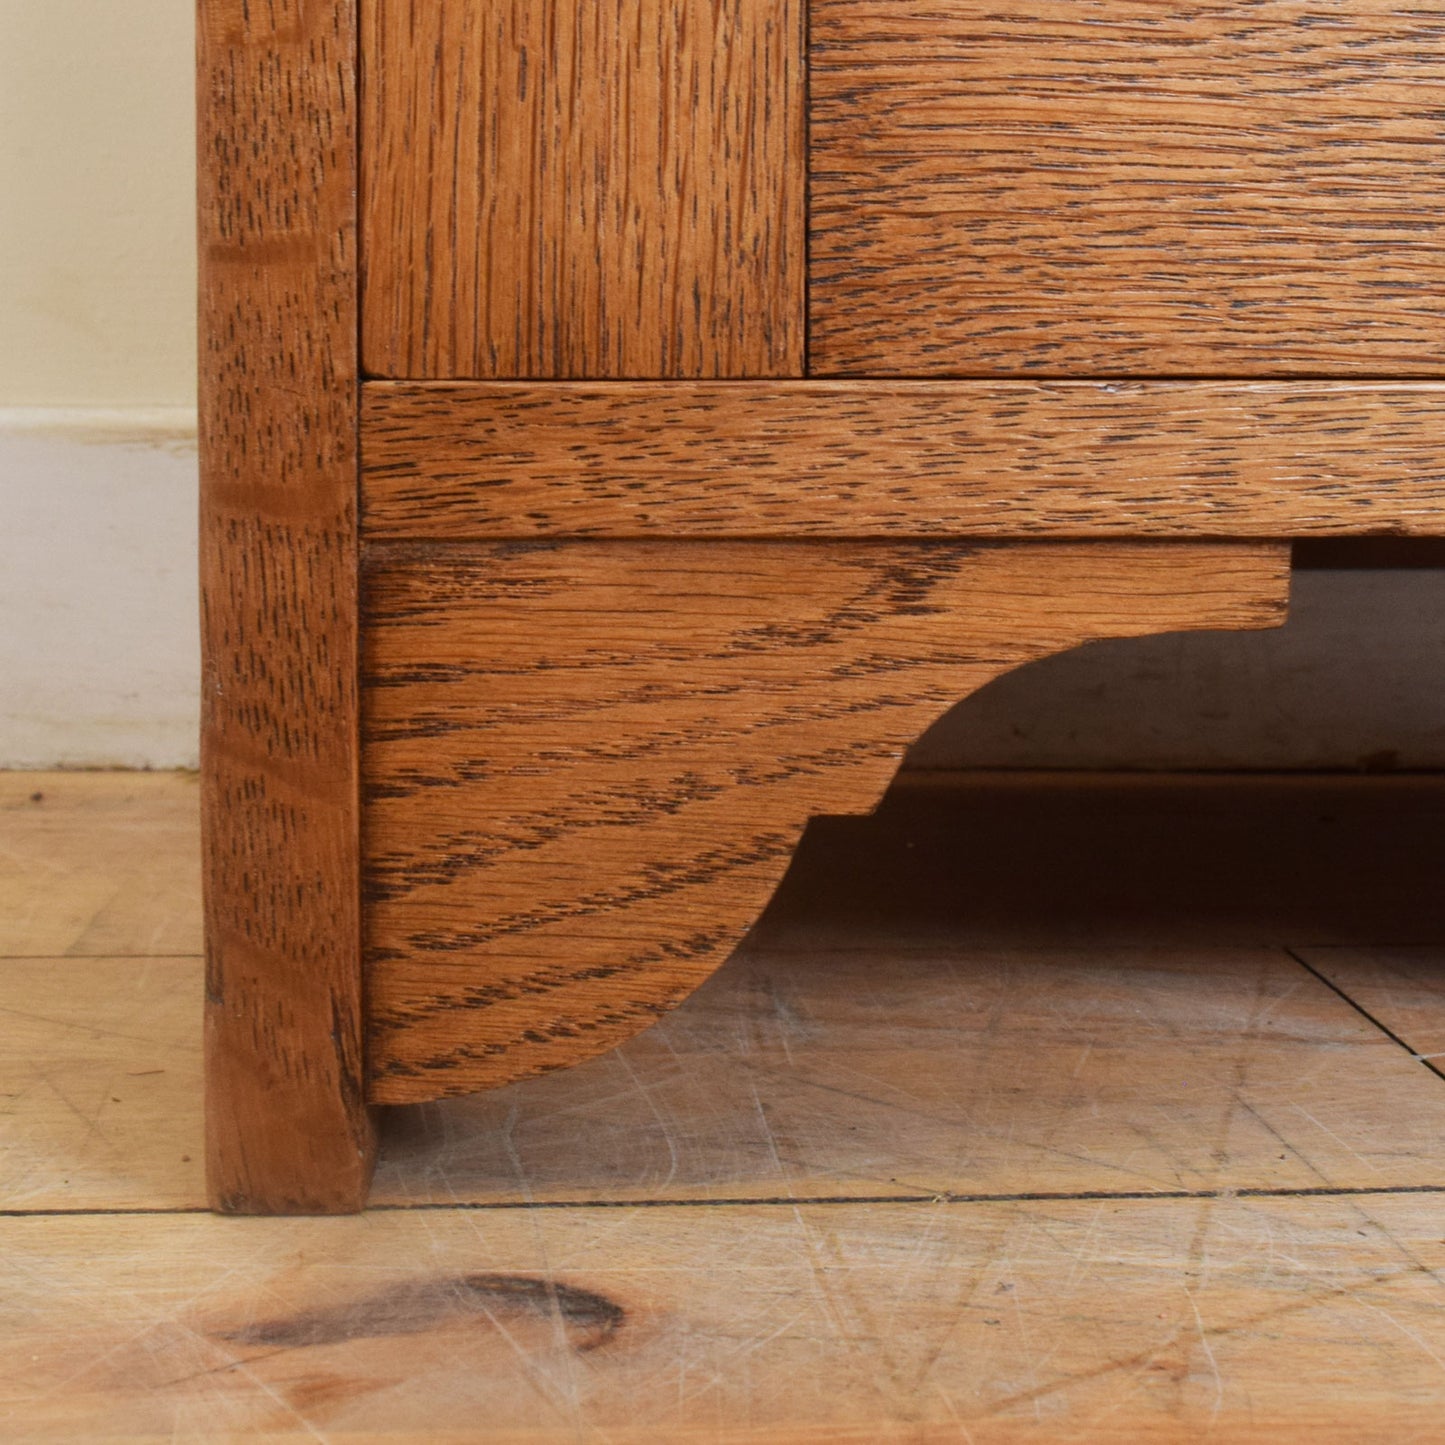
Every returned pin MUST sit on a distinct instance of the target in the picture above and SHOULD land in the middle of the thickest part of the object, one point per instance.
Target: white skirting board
(99, 658)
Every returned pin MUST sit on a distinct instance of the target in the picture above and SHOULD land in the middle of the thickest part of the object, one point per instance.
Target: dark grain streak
(591, 1319)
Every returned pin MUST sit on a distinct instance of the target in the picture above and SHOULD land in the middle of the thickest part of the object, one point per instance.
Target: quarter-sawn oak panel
(568, 188)
(1218, 187)
(587, 764)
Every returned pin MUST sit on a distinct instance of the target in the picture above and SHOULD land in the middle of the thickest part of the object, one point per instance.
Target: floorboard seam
(1082, 1196)
(1360, 1009)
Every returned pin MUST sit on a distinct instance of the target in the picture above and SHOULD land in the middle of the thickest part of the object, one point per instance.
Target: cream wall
(97, 228)
(98, 654)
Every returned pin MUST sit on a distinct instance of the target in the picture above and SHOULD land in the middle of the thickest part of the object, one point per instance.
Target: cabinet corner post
(288, 1129)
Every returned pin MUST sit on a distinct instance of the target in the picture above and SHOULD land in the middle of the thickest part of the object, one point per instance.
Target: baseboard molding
(98, 651)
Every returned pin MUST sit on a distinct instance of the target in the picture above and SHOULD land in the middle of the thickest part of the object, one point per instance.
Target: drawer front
(1104, 187)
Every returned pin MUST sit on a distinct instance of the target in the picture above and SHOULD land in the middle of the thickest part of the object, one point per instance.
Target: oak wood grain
(1110, 187)
(997, 458)
(1246, 1319)
(286, 1123)
(567, 188)
(587, 764)
(1157, 1317)
(1148, 1059)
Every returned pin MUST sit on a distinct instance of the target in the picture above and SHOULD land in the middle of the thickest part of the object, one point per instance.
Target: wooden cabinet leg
(587, 763)
(287, 1125)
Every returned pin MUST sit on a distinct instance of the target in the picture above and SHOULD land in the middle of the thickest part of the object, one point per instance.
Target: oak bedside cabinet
(627, 424)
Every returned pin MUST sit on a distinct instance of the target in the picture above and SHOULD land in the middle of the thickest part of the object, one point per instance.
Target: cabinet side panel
(568, 188)
(287, 1129)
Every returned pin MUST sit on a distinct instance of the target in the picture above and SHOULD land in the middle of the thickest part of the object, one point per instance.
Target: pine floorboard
(1034, 1108)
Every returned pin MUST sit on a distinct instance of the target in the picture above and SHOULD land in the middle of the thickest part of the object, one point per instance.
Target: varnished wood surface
(287, 1126)
(565, 188)
(1115, 187)
(807, 1069)
(898, 1304)
(446, 461)
(587, 764)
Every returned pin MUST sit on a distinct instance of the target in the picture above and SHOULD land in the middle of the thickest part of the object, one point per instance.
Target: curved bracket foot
(588, 764)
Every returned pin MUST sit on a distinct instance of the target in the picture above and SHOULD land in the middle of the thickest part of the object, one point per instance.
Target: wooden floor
(1045, 1109)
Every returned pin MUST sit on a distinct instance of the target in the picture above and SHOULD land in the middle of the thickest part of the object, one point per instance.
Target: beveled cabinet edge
(288, 1130)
